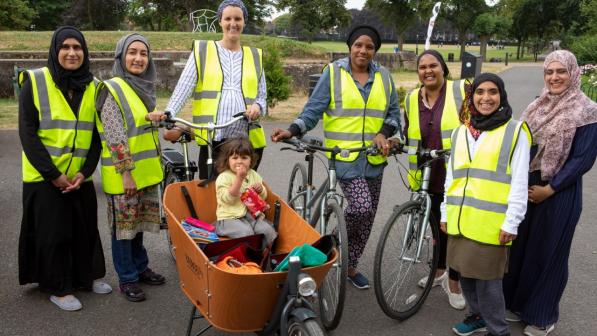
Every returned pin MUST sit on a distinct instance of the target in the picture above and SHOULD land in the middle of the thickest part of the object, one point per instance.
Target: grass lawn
(106, 41)
(455, 49)
(8, 113)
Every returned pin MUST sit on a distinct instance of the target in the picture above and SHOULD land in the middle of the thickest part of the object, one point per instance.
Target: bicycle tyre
(308, 327)
(171, 177)
(387, 256)
(297, 185)
(332, 290)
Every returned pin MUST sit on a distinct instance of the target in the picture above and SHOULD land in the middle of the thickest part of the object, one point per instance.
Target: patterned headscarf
(234, 3)
(553, 119)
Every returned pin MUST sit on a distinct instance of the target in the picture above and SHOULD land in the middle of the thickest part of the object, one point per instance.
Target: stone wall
(169, 66)
(168, 74)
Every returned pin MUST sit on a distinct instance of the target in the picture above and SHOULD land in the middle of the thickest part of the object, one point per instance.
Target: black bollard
(506, 59)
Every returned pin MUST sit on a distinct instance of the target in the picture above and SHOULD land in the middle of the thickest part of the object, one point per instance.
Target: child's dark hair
(239, 146)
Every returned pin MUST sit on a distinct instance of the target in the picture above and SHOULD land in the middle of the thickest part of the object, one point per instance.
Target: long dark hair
(238, 146)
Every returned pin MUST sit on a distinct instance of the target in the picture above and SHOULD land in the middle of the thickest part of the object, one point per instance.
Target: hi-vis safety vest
(449, 122)
(67, 138)
(210, 79)
(477, 199)
(351, 122)
(142, 138)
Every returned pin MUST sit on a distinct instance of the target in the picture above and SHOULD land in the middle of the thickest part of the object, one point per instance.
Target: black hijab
(358, 31)
(76, 80)
(500, 116)
(439, 58)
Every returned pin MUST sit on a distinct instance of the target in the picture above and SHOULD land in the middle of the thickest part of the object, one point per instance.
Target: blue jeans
(129, 257)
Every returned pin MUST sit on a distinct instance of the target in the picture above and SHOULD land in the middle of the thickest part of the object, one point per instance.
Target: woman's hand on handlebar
(253, 112)
(155, 116)
(279, 134)
(382, 144)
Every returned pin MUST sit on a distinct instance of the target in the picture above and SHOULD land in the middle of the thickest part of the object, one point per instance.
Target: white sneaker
(512, 316)
(456, 299)
(100, 287)
(67, 302)
(436, 281)
(532, 330)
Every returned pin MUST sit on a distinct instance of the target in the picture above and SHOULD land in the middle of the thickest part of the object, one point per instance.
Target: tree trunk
(483, 46)
(462, 39)
(400, 38)
(521, 48)
(518, 44)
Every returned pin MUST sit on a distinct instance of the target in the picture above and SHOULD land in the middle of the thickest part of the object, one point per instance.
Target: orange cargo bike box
(229, 301)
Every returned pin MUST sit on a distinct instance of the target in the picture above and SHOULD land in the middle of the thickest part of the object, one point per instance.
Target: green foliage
(402, 92)
(585, 49)
(278, 84)
(311, 17)
(49, 13)
(588, 9)
(485, 24)
(15, 15)
(461, 14)
(282, 25)
(406, 10)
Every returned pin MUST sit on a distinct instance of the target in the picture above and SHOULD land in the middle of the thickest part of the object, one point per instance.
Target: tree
(282, 25)
(15, 15)
(312, 16)
(95, 14)
(407, 10)
(49, 12)
(588, 9)
(485, 26)
(462, 14)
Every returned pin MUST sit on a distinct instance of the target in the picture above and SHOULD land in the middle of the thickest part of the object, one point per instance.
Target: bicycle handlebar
(425, 153)
(315, 145)
(170, 122)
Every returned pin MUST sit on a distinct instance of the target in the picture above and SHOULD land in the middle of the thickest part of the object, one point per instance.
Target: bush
(278, 84)
(585, 49)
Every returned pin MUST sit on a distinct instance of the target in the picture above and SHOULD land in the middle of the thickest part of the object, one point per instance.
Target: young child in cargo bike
(234, 183)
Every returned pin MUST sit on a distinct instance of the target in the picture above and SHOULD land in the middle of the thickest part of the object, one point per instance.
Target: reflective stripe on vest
(143, 141)
(208, 91)
(449, 122)
(66, 137)
(477, 199)
(350, 122)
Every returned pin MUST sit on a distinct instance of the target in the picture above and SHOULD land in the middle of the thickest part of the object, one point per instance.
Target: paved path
(25, 311)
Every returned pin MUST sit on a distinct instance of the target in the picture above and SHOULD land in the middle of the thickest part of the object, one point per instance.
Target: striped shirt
(232, 100)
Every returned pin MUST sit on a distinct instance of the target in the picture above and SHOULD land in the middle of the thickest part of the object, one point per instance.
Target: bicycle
(408, 248)
(179, 167)
(327, 217)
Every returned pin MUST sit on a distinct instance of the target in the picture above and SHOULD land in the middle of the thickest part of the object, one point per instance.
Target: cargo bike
(269, 303)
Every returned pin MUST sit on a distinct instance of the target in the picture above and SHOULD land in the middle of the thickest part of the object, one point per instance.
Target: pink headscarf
(553, 119)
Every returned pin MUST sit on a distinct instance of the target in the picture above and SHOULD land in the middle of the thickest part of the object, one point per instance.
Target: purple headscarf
(233, 3)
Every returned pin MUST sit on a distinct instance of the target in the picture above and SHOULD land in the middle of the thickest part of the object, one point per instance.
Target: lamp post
(417, 45)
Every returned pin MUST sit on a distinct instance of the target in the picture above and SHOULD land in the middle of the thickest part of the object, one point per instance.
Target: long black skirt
(59, 244)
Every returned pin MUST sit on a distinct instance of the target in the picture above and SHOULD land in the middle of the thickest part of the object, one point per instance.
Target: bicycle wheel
(304, 328)
(397, 270)
(333, 288)
(296, 198)
(171, 177)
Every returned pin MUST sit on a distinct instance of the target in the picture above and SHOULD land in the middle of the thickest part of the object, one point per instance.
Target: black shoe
(151, 278)
(132, 292)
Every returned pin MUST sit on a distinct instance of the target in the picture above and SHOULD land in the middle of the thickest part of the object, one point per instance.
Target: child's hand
(241, 171)
(257, 187)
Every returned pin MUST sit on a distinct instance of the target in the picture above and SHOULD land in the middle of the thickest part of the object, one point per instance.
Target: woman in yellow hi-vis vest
(131, 169)
(485, 201)
(357, 100)
(430, 116)
(224, 78)
(59, 244)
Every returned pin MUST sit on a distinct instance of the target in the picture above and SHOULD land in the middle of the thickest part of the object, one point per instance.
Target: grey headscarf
(234, 3)
(143, 84)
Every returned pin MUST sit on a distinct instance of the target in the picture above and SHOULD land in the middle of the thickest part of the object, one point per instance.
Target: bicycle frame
(422, 196)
